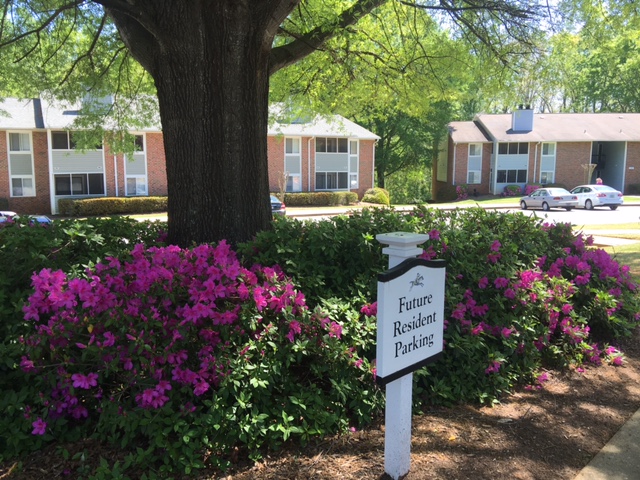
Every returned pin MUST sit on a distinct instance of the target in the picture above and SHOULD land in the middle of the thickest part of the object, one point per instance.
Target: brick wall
(275, 156)
(39, 204)
(366, 173)
(156, 164)
(570, 156)
(632, 177)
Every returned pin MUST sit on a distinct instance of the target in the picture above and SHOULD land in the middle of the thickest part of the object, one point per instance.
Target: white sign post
(410, 335)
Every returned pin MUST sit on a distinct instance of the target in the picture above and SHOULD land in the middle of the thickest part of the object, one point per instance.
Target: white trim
(293, 156)
(23, 152)
(475, 158)
(52, 186)
(144, 176)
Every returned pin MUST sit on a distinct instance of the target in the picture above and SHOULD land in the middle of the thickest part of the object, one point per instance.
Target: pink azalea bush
(531, 187)
(528, 295)
(512, 191)
(184, 354)
(462, 192)
(171, 330)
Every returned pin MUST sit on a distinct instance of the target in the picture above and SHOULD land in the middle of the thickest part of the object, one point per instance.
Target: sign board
(410, 317)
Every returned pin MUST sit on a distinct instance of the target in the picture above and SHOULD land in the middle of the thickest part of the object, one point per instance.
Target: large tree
(210, 61)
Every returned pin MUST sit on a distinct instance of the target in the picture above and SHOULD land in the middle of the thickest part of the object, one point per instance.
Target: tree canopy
(209, 63)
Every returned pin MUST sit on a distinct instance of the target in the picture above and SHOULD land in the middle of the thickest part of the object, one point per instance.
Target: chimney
(522, 119)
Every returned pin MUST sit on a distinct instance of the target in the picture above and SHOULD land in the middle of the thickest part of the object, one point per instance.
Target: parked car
(591, 196)
(277, 206)
(33, 219)
(6, 215)
(547, 198)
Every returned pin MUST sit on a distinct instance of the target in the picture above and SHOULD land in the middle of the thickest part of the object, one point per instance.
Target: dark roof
(552, 127)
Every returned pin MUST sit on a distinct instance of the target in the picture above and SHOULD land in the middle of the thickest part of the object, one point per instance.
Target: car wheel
(568, 209)
(523, 205)
(545, 206)
(588, 205)
(613, 207)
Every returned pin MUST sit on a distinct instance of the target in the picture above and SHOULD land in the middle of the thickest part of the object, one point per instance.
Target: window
(79, 184)
(293, 164)
(354, 164)
(19, 142)
(332, 181)
(336, 164)
(21, 165)
(548, 163)
(474, 164)
(136, 169)
(136, 185)
(546, 177)
(332, 145)
(512, 176)
(513, 148)
(62, 141)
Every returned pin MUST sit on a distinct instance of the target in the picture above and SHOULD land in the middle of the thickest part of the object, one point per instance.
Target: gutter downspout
(373, 164)
(52, 183)
(115, 172)
(309, 163)
(535, 162)
(493, 174)
(455, 151)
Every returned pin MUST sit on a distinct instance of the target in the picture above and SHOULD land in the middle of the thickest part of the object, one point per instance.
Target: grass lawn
(628, 255)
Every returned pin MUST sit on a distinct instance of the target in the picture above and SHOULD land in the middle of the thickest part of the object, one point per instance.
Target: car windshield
(604, 188)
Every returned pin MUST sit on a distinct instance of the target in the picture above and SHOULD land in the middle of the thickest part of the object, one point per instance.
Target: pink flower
(501, 282)
(201, 388)
(39, 427)
(493, 257)
(370, 310)
(85, 382)
(294, 329)
(335, 330)
(543, 377)
(483, 282)
(495, 246)
(493, 367)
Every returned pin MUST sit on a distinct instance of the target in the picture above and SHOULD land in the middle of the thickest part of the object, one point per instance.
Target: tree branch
(306, 44)
(47, 21)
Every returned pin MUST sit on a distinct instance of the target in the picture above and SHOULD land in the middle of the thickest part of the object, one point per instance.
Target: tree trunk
(214, 117)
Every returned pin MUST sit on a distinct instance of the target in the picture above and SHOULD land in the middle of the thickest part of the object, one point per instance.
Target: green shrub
(410, 187)
(376, 195)
(185, 353)
(286, 349)
(101, 206)
(70, 245)
(320, 199)
(486, 265)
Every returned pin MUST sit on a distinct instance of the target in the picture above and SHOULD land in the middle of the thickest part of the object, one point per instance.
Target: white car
(590, 196)
(547, 198)
(6, 215)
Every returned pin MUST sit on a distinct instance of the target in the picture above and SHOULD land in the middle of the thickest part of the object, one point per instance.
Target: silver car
(590, 196)
(547, 198)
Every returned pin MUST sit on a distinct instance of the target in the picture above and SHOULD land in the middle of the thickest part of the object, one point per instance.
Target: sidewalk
(620, 457)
